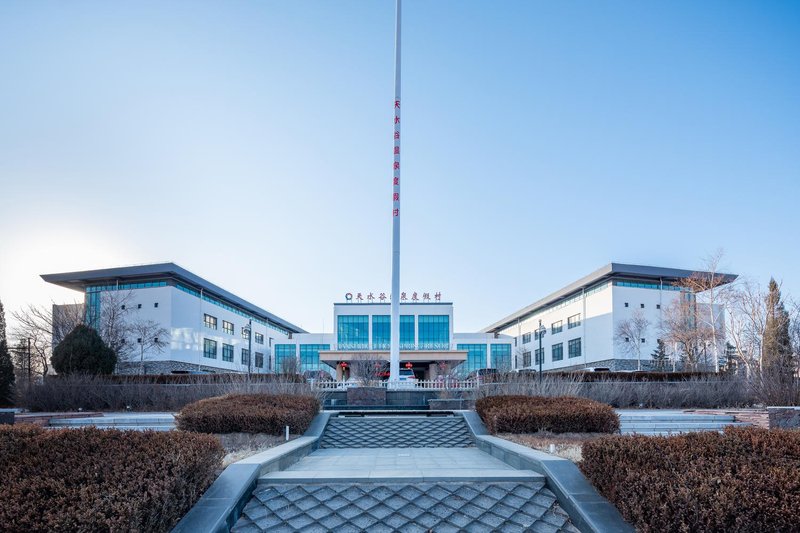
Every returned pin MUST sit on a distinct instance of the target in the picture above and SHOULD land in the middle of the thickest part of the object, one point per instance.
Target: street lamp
(541, 331)
(249, 346)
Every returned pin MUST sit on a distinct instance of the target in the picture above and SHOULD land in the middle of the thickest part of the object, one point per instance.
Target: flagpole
(394, 351)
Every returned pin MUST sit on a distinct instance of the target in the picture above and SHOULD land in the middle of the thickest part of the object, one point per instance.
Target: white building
(580, 320)
(209, 328)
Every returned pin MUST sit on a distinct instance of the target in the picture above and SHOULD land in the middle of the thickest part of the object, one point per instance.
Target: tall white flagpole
(394, 351)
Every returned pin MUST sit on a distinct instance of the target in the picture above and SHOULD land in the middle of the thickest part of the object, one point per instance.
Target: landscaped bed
(101, 480)
(249, 413)
(741, 480)
(565, 445)
(531, 414)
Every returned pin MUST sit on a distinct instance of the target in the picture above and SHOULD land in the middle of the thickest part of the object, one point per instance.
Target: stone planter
(6, 416)
(784, 417)
(366, 396)
(449, 403)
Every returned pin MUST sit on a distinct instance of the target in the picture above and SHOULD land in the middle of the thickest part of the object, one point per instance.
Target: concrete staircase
(137, 421)
(672, 422)
(397, 432)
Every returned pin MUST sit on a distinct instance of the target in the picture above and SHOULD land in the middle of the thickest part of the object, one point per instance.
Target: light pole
(249, 346)
(540, 331)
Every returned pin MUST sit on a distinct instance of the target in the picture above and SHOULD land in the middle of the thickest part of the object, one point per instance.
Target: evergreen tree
(6, 366)
(83, 351)
(659, 356)
(777, 345)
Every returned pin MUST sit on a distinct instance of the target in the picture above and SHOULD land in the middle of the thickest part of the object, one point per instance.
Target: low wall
(784, 417)
(394, 398)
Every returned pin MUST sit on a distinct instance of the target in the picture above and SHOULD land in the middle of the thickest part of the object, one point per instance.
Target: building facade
(212, 330)
(579, 323)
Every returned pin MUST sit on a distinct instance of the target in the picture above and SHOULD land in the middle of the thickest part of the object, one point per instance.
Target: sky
(251, 143)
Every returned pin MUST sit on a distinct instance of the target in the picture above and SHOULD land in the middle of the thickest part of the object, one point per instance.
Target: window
(658, 306)
(526, 338)
(309, 356)
(526, 359)
(352, 332)
(539, 354)
(501, 357)
(643, 341)
(210, 321)
(259, 338)
(574, 348)
(557, 351)
(626, 304)
(476, 356)
(284, 352)
(139, 306)
(434, 332)
(556, 327)
(227, 352)
(574, 321)
(259, 360)
(627, 339)
(536, 334)
(642, 305)
(245, 332)
(227, 327)
(123, 307)
(381, 332)
(209, 348)
(155, 304)
(245, 356)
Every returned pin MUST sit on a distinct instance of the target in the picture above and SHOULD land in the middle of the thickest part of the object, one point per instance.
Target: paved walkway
(406, 464)
(409, 489)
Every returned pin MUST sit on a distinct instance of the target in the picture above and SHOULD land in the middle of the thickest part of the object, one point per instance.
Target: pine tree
(6, 366)
(659, 356)
(83, 352)
(777, 345)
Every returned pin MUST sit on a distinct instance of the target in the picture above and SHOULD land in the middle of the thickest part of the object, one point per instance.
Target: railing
(433, 384)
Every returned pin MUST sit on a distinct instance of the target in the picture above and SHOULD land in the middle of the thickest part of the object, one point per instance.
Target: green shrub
(530, 414)
(742, 480)
(101, 480)
(83, 352)
(249, 413)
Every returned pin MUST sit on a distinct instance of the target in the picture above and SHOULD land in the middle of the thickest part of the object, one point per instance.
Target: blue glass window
(476, 356)
(227, 353)
(434, 332)
(558, 351)
(282, 353)
(574, 348)
(309, 356)
(352, 332)
(501, 356)
(382, 335)
(209, 348)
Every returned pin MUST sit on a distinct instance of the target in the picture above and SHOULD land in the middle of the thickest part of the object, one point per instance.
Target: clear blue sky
(250, 142)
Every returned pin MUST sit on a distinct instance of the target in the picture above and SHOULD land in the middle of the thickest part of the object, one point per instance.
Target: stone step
(474, 505)
(397, 432)
(409, 475)
(155, 420)
(121, 427)
(687, 425)
(678, 418)
(665, 433)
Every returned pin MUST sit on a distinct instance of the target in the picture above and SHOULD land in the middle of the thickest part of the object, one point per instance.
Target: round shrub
(249, 413)
(83, 352)
(746, 479)
(93, 479)
(531, 414)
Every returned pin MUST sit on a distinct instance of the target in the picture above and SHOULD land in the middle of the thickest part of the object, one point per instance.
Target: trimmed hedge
(91, 479)
(530, 414)
(249, 413)
(743, 480)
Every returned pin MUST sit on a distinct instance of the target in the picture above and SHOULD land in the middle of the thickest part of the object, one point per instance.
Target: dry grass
(565, 445)
(240, 446)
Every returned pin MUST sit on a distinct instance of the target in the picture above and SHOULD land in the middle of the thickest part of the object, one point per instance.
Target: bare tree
(746, 319)
(630, 333)
(681, 328)
(366, 367)
(38, 329)
(711, 287)
(150, 337)
(115, 322)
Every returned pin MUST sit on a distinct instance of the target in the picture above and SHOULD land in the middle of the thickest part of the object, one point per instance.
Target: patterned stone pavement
(397, 432)
(506, 506)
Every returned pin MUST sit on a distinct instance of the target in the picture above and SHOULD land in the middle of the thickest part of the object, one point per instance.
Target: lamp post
(249, 346)
(540, 331)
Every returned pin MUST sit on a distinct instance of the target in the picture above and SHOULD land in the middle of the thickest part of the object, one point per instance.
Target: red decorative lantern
(409, 365)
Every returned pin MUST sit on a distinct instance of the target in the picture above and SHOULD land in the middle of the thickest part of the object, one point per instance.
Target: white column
(394, 352)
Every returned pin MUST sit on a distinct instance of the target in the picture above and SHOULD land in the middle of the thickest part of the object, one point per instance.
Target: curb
(588, 510)
(221, 505)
